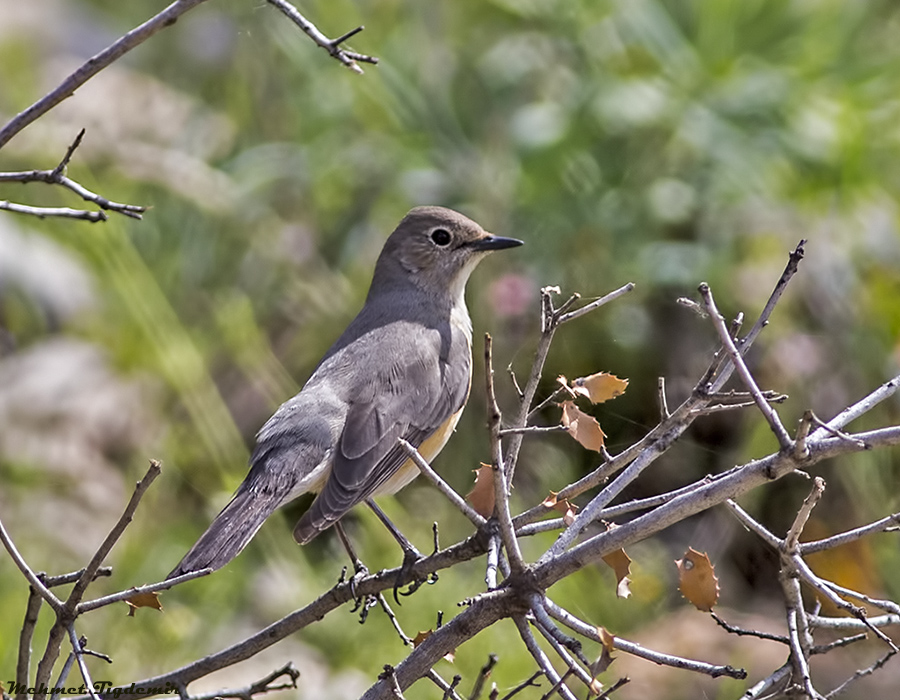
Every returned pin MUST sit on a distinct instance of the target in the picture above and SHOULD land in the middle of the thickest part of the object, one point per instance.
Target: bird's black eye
(441, 237)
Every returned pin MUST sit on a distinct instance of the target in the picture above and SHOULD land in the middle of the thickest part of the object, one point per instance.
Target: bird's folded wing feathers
(411, 397)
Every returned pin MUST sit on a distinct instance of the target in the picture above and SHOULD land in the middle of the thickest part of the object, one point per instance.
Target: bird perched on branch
(401, 369)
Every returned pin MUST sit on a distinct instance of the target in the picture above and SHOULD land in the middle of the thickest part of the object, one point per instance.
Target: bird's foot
(411, 557)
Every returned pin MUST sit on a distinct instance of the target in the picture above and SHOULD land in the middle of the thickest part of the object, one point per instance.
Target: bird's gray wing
(422, 385)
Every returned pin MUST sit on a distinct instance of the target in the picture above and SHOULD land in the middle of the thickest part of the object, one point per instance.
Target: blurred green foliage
(663, 143)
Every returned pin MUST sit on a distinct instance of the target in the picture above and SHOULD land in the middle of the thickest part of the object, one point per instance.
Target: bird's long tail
(230, 532)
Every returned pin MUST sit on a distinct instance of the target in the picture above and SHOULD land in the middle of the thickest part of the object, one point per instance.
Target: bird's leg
(359, 569)
(410, 554)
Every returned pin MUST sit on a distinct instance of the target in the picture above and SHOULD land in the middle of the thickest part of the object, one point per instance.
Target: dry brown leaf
(603, 661)
(599, 387)
(563, 506)
(425, 634)
(584, 428)
(697, 580)
(550, 501)
(620, 563)
(143, 600)
(481, 497)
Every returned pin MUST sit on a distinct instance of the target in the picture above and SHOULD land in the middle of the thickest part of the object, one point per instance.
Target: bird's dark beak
(491, 242)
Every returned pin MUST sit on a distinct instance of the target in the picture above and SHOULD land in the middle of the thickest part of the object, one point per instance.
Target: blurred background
(661, 143)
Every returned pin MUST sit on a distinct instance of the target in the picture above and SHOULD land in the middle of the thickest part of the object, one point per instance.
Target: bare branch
(33, 579)
(77, 645)
(741, 632)
(89, 605)
(768, 685)
(737, 359)
(94, 65)
(861, 407)
(850, 623)
(57, 177)
(448, 688)
(483, 675)
(498, 467)
(862, 673)
(260, 687)
(591, 632)
(541, 658)
(26, 634)
(332, 46)
(100, 555)
(823, 587)
(53, 212)
(663, 402)
(534, 429)
(754, 525)
(442, 485)
(792, 540)
(790, 270)
(594, 305)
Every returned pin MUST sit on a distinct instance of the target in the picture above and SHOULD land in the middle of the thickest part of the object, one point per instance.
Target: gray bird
(401, 369)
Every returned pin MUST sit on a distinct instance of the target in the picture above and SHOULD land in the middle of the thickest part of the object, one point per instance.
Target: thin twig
(776, 679)
(103, 550)
(754, 525)
(741, 632)
(448, 688)
(57, 176)
(591, 632)
(67, 612)
(33, 579)
(823, 588)
(531, 429)
(527, 683)
(864, 405)
(888, 606)
(798, 655)
(784, 440)
(63, 676)
(405, 638)
(594, 305)
(445, 488)
(77, 645)
(851, 623)
(492, 562)
(541, 658)
(26, 634)
(882, 525)
(663, 402)
(838, 643)
(260, 687)
(94, 65)
(53, 212)
(861, 673)
(792, 539)
(498, 467)
(332, 46)
(88, 605)
(483, 675)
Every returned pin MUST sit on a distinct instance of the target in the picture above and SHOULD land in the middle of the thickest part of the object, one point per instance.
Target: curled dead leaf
(481, 497)
(620, 563)
(697, 580)
(567, 509)
(607, 642)
(584, 428)
(599, 387)
(143, 600)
